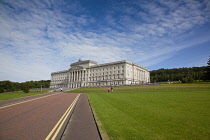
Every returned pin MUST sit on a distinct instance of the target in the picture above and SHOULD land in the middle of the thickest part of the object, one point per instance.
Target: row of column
(77, 76)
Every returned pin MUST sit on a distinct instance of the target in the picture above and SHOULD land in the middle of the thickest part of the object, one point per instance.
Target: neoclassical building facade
(89, 73)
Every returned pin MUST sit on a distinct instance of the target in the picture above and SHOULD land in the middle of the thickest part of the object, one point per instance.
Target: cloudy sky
(38, 37)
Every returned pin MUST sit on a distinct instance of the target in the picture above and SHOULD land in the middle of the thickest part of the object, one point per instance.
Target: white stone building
(91, 74)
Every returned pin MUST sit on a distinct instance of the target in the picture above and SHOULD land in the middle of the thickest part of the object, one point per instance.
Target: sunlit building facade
(89, 73)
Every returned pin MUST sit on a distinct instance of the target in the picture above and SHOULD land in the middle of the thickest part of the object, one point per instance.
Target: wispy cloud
(39, 37)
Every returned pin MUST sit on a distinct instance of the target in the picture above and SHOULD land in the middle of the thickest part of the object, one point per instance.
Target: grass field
(153, 112)
(18, 94)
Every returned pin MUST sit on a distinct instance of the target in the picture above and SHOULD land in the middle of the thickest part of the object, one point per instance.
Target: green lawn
(18, 94)
(153, 112)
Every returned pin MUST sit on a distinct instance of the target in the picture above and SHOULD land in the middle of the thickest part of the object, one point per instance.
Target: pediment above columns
(76, 68)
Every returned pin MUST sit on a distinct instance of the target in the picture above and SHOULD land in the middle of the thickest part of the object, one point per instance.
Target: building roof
(80, 62)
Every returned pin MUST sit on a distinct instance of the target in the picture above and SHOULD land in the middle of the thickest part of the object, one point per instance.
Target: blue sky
(38, 37)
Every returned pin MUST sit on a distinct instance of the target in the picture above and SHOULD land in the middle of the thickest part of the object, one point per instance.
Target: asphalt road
(34, 119)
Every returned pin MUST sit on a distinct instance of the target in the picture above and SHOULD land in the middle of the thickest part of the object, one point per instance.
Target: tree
(1, 90)
(15, 86)
(207, 74)
(7, 85)
(26, 87)
(194, 73)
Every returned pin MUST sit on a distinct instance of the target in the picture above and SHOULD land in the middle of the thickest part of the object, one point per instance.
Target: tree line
(184, 75)
(8, 86)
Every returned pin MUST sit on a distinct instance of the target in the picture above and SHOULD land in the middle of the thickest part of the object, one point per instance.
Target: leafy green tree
(194, 73)
(26, 87)
(185, 80)
(207, 74)
(190, 79)
(7, 86)
(1, 90)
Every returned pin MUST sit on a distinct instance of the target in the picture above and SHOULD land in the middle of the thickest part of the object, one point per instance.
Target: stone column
(85, 72)
(74, 76)
(80, 72)
(83, 75)
(80, 75)
(77, 76)
(71, 77)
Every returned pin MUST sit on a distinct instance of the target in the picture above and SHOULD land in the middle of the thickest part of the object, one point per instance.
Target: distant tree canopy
(7, 86)
(186, 75)
(207, 74)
